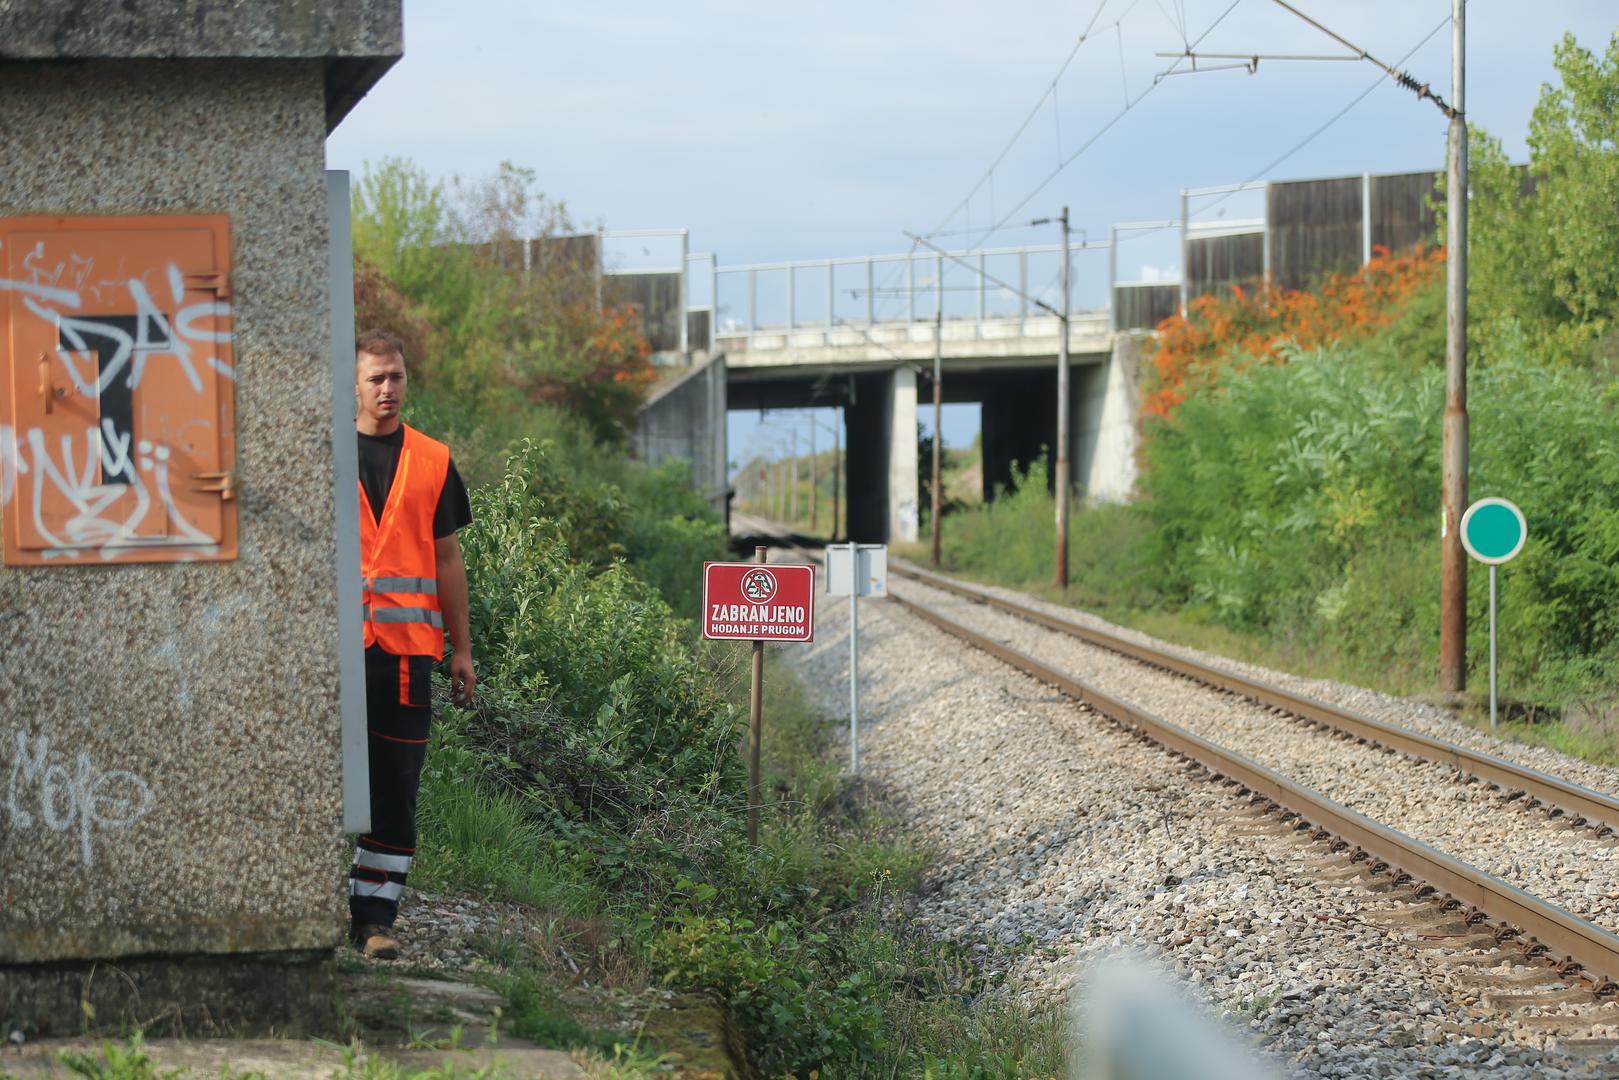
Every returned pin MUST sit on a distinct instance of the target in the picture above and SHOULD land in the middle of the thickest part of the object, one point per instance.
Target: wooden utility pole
(938, 410)
(1453, 588)
(1062, 416)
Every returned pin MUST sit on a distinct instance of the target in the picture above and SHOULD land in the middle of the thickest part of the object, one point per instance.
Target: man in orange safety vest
(412, 502)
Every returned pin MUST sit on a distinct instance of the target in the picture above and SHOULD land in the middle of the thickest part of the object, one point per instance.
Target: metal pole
(979, 332)
(713, 302)
(1492, 644)
(831, 298)
(1453, 595)
(792, 484)
(854, 658)
(938, 410)
(1062, 418)
(792, 316)
(753, 302)
(1265, 246)
(910, 292)
(685, 293)
(1365, 218)
(1113, 279)
(1022, 291)
(871, 295)
(815, 495)
(1186, 264)
(755, 724)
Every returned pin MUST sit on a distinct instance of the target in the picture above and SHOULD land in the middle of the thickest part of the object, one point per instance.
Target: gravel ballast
(1571, 868)
(1060, 838)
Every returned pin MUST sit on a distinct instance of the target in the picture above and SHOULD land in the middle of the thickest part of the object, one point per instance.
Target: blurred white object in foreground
(1134, 1025)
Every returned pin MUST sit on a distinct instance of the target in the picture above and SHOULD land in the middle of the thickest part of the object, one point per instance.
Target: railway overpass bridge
(867, 349)
(859, 333)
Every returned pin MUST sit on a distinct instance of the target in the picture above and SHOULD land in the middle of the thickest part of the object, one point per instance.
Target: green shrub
(1302, 501)
(594, 690)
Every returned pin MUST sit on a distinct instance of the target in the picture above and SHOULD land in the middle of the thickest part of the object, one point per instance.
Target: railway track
(1582, 805)
(1519, 923)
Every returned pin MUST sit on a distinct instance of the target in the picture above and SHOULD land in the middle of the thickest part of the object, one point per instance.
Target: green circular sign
(1493, 530)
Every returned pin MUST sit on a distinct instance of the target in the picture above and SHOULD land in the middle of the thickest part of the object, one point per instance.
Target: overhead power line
(1097, 135)
(1049, 91)
(1334, 118)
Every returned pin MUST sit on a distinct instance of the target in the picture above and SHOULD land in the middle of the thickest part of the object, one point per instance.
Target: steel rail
(1585, 805)
(1576, 947)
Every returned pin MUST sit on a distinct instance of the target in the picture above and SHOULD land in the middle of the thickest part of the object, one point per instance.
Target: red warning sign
(759, 601)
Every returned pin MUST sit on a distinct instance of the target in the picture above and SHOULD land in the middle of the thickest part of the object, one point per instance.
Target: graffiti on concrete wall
(51, 791)
(119, 436)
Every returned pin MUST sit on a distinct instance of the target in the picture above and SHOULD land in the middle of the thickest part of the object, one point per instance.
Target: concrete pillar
(902, 458)
(1110, 475)
(170, 751)
(685, 419)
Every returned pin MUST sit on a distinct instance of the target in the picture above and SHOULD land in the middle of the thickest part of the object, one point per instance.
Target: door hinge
(222, 484)
(216, 282)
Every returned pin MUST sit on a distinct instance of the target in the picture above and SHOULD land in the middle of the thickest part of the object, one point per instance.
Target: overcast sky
(782, 131)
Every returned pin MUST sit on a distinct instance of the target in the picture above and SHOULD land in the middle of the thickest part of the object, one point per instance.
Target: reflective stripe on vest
(422, 585)
(408, 614)
(399, 556)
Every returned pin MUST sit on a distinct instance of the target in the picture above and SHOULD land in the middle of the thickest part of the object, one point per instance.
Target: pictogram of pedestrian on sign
(758, 586)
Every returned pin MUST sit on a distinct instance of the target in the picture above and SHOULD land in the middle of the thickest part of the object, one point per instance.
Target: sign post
(745, 601)
(756, 710)
(1493, 531)
(856, 570)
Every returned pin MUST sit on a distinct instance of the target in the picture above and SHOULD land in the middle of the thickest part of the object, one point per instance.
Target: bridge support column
(1105, 450)
(902, 458)
(882, 457)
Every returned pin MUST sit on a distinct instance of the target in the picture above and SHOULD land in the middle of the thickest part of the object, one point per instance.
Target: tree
(495, 334)
(1543, 248)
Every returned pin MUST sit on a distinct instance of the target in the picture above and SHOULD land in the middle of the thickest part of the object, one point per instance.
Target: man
(412, 501)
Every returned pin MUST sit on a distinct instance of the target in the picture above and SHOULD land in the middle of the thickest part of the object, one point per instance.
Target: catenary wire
(1097, 135)
(1049, 91)
(1337, 116)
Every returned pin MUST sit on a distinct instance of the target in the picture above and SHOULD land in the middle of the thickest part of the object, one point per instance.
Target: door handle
(47, 393)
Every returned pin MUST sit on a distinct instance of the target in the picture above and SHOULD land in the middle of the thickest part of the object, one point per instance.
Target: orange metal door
(120, 391)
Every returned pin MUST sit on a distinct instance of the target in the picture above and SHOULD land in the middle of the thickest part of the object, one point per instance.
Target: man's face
(379, 384)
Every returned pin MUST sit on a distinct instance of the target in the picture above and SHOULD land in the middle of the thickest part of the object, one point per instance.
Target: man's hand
(463, 678)
(452, 596)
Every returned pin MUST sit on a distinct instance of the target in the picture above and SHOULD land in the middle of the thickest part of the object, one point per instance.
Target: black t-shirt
(379, 459)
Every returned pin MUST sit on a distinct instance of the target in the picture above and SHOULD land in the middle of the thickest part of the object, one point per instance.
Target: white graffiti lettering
(95, 481)
(47, 790)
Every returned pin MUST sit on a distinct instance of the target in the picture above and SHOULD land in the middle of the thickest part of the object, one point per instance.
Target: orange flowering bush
(1254, 326)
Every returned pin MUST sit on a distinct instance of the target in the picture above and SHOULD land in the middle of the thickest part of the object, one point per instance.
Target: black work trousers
(398, 698)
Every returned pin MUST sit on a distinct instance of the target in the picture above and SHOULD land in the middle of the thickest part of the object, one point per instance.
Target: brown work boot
(375, 942)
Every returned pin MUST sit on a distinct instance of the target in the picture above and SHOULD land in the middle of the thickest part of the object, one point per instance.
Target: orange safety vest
(399, 557)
